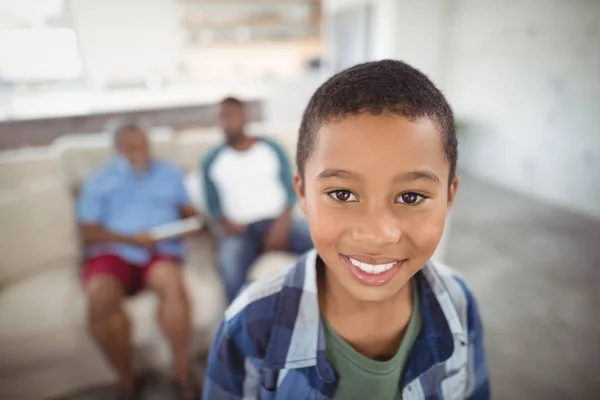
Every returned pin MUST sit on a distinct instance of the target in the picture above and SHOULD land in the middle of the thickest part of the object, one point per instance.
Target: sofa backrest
(192, 144)
(29, 165)
(37, 223)
(38, 229)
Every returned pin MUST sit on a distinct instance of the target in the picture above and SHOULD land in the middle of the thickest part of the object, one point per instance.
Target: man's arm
(228, 376)
(213, 201)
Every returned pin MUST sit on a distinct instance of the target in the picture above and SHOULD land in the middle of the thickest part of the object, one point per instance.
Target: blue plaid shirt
(271, 343)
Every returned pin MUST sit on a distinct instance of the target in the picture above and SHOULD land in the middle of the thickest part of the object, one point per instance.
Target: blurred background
(522, 76)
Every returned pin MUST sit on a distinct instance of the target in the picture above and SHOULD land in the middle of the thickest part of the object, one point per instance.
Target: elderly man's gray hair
(116, 126)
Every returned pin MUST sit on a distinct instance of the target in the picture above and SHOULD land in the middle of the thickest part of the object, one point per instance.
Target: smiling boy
(365, 315)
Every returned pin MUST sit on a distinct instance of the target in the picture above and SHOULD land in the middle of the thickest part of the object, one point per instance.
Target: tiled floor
(536, 272)
(153, 387)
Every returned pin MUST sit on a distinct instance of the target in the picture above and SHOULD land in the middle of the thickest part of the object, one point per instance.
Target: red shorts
(133, 277)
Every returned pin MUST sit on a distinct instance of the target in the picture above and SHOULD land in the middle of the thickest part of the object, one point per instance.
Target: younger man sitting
(366, 315)
(249, 191)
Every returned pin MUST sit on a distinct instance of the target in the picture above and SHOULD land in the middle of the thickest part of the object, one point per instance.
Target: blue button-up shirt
(128, 202)
(271, 343)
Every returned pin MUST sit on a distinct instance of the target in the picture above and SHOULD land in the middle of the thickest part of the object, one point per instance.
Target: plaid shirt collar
(299, 303)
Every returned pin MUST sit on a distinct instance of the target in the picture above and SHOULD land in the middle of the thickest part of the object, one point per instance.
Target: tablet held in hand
(176, 228)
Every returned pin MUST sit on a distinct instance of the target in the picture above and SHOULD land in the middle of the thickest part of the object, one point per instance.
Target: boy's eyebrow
(416, 175)
(407, 176)
(337, 173)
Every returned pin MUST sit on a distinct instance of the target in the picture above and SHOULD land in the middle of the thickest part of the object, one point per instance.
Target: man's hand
(277, 237)
(231, 228)
(144, 240)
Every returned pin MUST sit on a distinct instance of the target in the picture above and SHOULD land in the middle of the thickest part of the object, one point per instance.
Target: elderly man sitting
(118, 206)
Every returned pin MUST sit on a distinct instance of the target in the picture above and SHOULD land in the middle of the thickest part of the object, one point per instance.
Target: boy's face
(375, 192)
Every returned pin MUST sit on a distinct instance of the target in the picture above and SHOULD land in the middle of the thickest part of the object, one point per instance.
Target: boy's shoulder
(451, 292)
(260, 295)
(264, 316)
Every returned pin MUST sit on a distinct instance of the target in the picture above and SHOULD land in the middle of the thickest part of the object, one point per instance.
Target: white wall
(127, 40)
(527, 73)
(250, 60)
(381, 35)
(412, 31)
(419, 35)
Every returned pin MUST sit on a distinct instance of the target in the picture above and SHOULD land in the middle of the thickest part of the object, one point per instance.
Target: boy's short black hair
(377, 88)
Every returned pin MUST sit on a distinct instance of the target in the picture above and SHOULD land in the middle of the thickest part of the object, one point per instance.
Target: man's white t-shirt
(250, 185)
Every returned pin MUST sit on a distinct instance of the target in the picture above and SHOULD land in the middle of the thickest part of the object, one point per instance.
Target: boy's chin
(378, 294)
(373, 294)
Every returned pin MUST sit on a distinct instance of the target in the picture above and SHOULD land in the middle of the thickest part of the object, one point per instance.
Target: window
(37, 43)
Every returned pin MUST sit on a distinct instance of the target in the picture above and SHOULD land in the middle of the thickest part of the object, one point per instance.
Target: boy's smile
(372, 271)
(376, 194)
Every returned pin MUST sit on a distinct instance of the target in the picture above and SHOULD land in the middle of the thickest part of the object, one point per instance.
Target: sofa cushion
(81, 155)
(163, 145)
(38, 229)
(41, 304)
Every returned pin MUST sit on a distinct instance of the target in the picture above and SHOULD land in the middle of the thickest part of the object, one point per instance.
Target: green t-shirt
(363, 378)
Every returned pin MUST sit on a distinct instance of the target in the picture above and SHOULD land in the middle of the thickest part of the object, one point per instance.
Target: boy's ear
(452, 191)
(300, 194)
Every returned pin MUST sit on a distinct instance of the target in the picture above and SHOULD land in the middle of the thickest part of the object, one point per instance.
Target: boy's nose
(378, 230)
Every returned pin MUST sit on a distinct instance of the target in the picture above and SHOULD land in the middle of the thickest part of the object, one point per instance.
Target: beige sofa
(45, 350)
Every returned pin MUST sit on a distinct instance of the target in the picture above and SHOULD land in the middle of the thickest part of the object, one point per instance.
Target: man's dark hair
(377, 88)
(234, 101)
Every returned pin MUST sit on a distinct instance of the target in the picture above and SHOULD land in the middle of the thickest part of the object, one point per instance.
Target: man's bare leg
(173, 313)
(110, 326)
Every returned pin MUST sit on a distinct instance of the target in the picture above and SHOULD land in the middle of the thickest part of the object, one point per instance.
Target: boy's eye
(411, 198)
(342, 195)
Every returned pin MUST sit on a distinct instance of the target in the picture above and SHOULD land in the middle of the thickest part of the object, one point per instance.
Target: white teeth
(371, 269)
